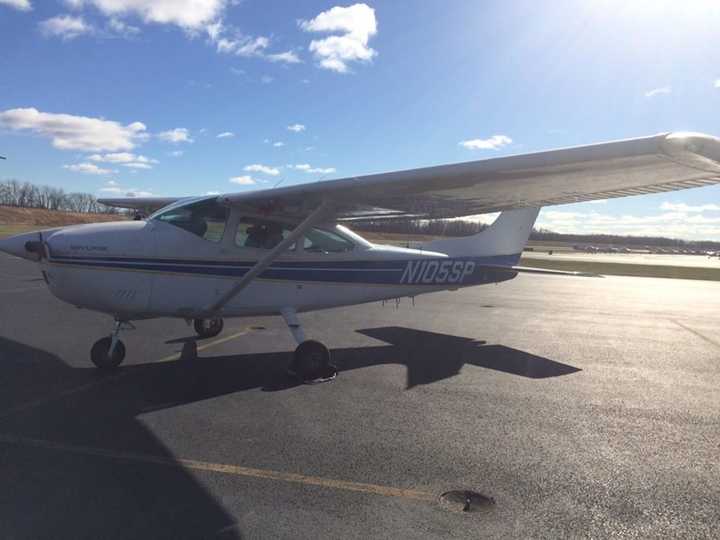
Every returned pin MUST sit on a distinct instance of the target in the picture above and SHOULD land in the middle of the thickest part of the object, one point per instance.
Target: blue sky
(118, 96)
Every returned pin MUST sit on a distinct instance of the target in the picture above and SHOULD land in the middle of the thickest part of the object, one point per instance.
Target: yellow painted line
(6, 291)
(70, 391)
(109, 378)
(175, 356)
(698, 334)
(224, 468)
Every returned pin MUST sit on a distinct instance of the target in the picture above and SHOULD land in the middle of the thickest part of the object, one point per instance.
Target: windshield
(206, 218)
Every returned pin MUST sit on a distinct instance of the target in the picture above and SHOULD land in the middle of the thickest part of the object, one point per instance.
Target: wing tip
(693, 149)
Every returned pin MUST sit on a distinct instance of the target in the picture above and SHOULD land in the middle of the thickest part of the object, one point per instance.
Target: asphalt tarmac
(583, 407)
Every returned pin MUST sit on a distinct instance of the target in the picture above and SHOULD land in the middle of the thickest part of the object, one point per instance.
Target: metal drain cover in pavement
(461, 500)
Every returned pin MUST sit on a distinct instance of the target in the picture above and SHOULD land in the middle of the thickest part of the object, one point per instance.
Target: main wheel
(207, 328)
(100, 354)
(312, 361)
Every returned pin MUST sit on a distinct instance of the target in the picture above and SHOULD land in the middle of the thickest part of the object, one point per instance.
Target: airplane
(287, 250)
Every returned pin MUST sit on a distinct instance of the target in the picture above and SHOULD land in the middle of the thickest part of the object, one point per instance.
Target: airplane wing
(665, 162)
(147, 204)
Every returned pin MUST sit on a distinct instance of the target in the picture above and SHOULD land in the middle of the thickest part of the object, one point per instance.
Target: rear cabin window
(259, 234)
(206, 219)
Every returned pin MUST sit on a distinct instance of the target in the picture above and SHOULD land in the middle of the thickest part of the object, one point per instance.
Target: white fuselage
(139, 269)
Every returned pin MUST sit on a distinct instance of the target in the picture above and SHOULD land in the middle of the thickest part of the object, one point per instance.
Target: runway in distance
(287, 250)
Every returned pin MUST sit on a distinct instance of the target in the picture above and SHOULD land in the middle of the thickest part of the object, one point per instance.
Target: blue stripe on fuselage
(430, 271)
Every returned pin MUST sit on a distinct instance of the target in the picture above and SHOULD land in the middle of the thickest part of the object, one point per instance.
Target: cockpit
(215, 222)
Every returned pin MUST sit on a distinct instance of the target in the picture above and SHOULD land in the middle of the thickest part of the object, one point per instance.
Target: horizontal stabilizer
(531, 270)
(547, 272)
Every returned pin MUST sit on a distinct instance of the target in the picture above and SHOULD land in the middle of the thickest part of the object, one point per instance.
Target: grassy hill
(18, 220)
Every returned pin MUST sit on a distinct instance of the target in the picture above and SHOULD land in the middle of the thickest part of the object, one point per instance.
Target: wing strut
(317, 215)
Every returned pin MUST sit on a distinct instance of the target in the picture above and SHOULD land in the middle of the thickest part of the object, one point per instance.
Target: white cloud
(668, 224)
(212, 193)
(187, 14)
(682, 207)
(243, 180)
(266, 79)
(493, 143)
(70, 132)
(126, 159)
(176, 153)
(88, 168)
(272, 171)
(278, 144)
(228, 40)
(65, 27)
(288, 57)
(319, 170)
(658, 91)
(119, 27)
(306, 167)
(121, 157)
(22, 5)
(598, 201)
(297, 128)
(356, 23)
(114, 188)
(177, 135)
(137, 165)
(225, 135)
(717, 83)
(242, 46)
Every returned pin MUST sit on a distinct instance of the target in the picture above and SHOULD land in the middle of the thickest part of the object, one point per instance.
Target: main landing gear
(311, 362)
(207, 328)
(109, 352)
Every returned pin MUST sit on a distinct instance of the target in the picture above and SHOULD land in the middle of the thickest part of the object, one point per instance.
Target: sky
(187, 97)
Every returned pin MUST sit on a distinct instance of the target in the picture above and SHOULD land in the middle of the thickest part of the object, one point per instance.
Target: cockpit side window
(206, 219)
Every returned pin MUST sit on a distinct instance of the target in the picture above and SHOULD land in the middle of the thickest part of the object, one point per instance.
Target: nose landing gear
(108, 353)
(207, 328)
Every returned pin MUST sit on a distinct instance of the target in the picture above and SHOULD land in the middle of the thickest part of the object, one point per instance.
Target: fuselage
(185, 258)
(144, 269)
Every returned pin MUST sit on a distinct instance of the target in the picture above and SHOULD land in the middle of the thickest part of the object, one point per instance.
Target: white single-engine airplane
(284, 251)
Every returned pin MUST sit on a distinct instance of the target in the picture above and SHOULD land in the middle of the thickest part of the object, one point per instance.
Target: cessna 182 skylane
(284, 251)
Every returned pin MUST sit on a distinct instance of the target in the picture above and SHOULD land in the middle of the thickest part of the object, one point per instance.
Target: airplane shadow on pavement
(54, 494)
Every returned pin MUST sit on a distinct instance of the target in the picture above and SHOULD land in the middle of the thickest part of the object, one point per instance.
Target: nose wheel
(109, 352)
(102, 357)
(207, 328)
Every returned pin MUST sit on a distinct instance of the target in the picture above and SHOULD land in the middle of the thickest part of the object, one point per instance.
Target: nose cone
(25, 245)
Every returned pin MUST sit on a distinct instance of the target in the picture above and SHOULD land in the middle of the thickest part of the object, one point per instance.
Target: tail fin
(507, 235)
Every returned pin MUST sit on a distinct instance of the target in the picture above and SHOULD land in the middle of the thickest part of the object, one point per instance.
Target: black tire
(99, 354)
(207, 328)
(311, 360)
